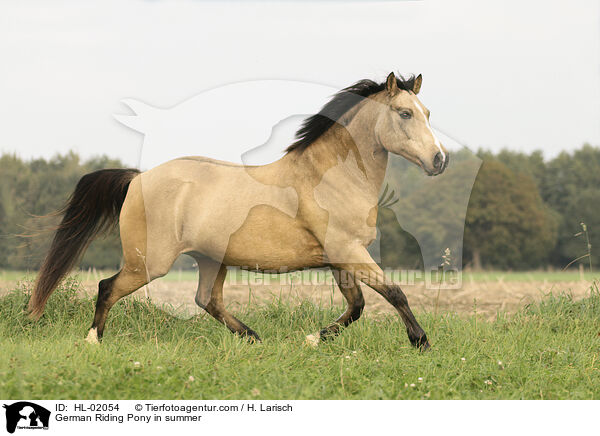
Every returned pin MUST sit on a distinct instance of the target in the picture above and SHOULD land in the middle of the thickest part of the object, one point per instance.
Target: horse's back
(208, 160)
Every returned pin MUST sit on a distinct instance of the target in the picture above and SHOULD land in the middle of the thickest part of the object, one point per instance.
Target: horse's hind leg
(110, 291)
(350, 289)
(141, 263)
(135, 273)
(210, 282)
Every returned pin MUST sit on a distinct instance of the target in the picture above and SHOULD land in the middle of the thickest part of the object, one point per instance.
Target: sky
(496, 74)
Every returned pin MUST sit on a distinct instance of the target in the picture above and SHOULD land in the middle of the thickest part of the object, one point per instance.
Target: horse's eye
(405, 115)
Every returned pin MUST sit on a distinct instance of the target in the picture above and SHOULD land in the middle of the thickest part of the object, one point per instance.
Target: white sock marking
(92, 337)
(313, 340)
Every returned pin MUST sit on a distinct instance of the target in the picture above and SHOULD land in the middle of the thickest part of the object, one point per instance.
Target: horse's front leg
(359, 263)
(350, 289)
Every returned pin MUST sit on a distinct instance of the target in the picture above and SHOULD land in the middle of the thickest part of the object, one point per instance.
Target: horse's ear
(417, 84)
(391, 84)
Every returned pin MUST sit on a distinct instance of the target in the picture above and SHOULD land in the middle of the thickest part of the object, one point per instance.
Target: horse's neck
(352, 154)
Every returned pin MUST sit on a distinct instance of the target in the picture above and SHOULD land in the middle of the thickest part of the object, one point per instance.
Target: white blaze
(435, 140)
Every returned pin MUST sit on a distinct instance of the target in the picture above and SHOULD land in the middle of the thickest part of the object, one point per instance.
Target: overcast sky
(520, 75)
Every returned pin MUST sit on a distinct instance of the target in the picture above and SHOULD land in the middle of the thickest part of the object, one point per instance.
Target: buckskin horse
(314, 207)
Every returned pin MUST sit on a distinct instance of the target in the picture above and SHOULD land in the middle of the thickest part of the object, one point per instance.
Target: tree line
(523, 212)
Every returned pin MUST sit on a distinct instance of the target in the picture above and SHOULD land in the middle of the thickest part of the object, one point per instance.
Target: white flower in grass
(136, 364)
(487, 382)
(191, 378)
(412, 385)
(463, 359)
(446, 258)
(420, 379)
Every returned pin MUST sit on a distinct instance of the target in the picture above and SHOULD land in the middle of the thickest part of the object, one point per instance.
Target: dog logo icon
(26, 415)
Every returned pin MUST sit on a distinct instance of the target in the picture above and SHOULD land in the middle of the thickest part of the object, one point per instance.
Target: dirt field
(485, 296)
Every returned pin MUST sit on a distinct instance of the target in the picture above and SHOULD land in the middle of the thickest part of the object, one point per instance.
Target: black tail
(93, 207)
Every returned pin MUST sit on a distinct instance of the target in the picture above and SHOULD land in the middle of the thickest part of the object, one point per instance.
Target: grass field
(549, 350)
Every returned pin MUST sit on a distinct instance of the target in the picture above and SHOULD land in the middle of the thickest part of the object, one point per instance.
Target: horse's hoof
(92, 337)
(420, 342)
(424, 347)
(313, 340)
(252, 337)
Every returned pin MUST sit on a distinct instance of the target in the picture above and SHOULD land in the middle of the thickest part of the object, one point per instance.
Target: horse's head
(403, 127)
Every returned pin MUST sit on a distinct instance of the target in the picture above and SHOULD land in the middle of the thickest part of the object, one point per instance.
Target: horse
(316, 207)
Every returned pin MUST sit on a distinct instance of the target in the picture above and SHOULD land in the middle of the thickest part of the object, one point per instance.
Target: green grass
(550, 350)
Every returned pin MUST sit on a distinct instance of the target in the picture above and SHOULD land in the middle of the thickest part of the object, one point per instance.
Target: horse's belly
(271, 240)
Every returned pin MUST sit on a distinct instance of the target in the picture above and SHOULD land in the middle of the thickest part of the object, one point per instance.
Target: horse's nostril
(438, 161)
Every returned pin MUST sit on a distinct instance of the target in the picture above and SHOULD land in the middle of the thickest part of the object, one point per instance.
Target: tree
(507, 224)
(571, 188)
(29, 192)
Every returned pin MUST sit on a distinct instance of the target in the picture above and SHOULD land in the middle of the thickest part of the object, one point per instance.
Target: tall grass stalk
(588, 247)
(446, 261)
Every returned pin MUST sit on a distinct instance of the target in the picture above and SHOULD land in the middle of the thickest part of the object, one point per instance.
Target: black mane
(314, 126)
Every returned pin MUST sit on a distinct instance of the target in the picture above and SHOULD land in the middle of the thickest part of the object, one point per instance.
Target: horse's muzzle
(440, 163)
